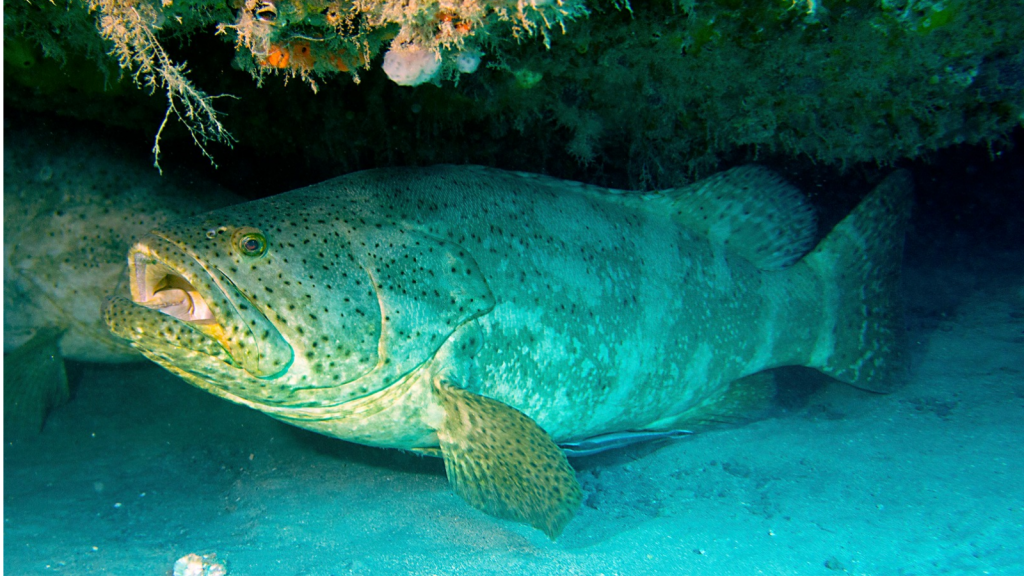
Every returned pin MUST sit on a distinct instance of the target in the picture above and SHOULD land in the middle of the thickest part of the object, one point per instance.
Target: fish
(616, 441)
(73, 206)
(486, 316)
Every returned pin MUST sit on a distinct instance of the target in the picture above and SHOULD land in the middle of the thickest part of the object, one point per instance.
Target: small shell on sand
(196, 565)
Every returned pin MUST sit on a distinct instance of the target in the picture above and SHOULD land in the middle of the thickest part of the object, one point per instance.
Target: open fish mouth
(160, 287)
(168, 277)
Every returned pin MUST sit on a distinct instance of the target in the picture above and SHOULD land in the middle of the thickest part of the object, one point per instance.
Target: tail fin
(859, 264)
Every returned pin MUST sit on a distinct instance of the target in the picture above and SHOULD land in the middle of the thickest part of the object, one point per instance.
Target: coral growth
(304, 38)
(309, 37)
(659, 92)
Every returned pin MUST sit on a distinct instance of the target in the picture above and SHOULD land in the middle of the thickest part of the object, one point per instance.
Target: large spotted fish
(72, 207)
(489, 315)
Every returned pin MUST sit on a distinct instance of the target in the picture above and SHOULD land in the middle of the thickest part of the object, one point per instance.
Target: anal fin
(35, 382)
(503, 463)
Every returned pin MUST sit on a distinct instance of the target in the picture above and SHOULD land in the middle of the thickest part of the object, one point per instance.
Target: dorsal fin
(750, 210)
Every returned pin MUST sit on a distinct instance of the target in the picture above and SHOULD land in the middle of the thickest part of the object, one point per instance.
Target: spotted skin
(584, 310)
(72, 208)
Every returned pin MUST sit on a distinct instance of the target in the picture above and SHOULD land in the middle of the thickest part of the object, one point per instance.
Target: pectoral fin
(34, 383)
(503, 463)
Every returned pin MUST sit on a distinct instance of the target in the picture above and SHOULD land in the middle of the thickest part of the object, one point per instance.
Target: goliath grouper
(489, 315)
(72, 206)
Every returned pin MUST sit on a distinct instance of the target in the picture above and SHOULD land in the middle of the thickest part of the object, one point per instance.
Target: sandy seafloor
(140, 469)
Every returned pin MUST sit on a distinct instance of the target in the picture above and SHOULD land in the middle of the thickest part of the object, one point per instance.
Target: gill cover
(259, 347)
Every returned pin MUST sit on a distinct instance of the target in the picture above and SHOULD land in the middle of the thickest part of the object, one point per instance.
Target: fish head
(255, 300)
(294, 301)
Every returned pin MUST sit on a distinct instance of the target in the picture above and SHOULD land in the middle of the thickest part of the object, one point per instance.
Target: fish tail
(858, 264)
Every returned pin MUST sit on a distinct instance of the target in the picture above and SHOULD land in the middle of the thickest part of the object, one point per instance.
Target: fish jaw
(152, 332)
(185, 351)
(168, 279)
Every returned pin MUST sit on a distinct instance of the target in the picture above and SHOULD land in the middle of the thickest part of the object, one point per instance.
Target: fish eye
(251, 242)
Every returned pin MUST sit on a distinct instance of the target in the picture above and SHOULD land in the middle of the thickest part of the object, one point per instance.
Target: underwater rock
(196, 565)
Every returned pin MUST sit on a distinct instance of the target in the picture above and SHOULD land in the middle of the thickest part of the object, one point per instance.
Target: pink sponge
(411, 65)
